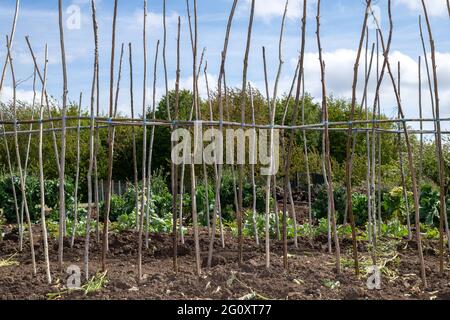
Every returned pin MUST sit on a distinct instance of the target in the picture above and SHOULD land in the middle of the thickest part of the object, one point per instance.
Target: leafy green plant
(394, 204)
(320, 204)
(394, 229)
(33, 196)
(429, 206)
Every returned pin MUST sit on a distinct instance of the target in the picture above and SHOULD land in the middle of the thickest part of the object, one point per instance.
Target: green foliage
(394, 204)
(429, 206)
(249, 230)
(394, 229)
(33, 196)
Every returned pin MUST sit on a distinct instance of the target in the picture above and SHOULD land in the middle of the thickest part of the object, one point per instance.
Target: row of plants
(33, 196)
(393, 205)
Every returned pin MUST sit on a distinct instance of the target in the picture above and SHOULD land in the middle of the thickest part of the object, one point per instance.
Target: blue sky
(341, 23)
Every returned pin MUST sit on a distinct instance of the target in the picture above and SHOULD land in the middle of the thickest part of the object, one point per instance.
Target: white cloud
(268, 9)
(434, 7)
(339, 77)
(22, 95)
(154, 20)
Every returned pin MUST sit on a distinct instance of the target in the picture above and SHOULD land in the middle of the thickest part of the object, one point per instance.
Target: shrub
(429, 206)
(33, 196)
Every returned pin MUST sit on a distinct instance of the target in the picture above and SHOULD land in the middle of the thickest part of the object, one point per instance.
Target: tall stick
(348, 165)
(62, 199)
(41, 172)
(19, 163)
(174, 166)
(268, 179)
(420, 177)
(327, 147)
(91, 146)
(144, 142)
(5, 65)
(193, 177)
(273, 112)
(110, 142)
(252, 168)
(220, 106)
(410, 157)
(400, 157)
(150, 152)
(240, 212)
(438, 142)
(77, 176)
(47, 103)
(288, 159)
(135, 170)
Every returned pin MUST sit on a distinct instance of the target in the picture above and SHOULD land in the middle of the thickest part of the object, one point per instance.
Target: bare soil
(311, 274)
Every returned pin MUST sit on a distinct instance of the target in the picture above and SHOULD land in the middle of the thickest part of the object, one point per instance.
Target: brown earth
(311, 274)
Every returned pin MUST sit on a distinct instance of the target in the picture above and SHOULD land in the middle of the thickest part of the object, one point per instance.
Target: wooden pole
(91, 147)
(11, 173)
(193, 176)
(268, 178)
(220, 106)
(272, 159)
(252, 168)
(62, 199)
(41, 173)
(287, 162)
(348, 166)
(400, 157)
(150, 152)
(110, 142)
(19, 163)
(174, 166)
(144, 143)
(77, 176)
(135, 170)
(327, 147)
(410, 157)
(240, 212)
(441, 165)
